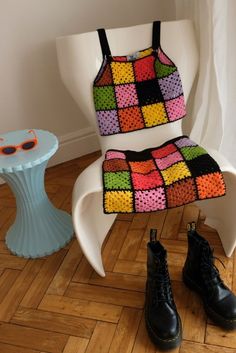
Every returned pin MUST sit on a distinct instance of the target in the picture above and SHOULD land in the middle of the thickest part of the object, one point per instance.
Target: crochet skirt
(174, 174)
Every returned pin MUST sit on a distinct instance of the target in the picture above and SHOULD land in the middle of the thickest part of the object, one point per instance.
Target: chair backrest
(80, 59)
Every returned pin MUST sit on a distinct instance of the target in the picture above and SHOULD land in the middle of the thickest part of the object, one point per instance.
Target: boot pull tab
(191, 226)
(153, 235)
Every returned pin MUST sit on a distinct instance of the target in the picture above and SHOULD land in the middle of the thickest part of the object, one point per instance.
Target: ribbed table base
(39, 228)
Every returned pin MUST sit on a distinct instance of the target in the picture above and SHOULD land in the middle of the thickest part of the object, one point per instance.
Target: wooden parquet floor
(58, 304)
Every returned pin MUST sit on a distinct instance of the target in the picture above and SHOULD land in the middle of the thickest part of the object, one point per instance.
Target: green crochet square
(163, 70)
(104, 98)
(117, 181)
(190, 153)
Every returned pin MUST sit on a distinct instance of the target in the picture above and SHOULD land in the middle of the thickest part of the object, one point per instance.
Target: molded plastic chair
(80, 58)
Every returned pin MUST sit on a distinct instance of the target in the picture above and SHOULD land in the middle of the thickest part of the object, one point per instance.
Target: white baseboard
(74, 145)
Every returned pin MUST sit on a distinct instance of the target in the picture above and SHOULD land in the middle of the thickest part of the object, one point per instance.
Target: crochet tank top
(137, 91)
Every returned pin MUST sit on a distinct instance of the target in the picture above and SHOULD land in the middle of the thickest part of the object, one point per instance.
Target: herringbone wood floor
(59, 304)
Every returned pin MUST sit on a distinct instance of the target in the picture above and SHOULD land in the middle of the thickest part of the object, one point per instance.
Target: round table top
(24, 159)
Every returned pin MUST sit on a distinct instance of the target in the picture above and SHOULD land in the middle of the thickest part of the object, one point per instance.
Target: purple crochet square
(108, 122)
(171, 86)
(184, 142)
(150, 200)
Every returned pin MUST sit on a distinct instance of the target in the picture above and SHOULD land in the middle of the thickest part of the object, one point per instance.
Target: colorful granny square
(192, 152)
(126, 95)
(154, 114)
(117, 180)
(143, 167)
(175, 174)
(164, 151)
(122, 72)
(104, 98)
(184, 142)
(106, 78)
(180, 193)
(115, 155)
(210, 185)
(175, 108)
(145, 52)
(167, 161)
(146, 181)
(171, 86)
(144, 69)
(163, 70)
(115, 165)
(164, 58)
(130, 119)
(118, 201)
(108, 122)
(150, 200)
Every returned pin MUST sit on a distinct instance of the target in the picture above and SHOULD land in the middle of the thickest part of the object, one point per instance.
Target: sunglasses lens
(28, 145)
(9, 150)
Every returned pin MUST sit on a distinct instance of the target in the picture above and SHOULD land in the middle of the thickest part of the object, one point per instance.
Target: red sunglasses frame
(20, 146)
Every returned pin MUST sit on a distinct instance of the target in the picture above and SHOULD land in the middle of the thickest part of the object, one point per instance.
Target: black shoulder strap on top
(156, 34)
(104, 43)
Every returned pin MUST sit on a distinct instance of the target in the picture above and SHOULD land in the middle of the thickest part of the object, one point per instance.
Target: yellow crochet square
(118, 201)
(176, 172)
(122, 72)
(145, 52)
(154, 114)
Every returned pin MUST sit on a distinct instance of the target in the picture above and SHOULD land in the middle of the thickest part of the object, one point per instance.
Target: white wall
(31, 92)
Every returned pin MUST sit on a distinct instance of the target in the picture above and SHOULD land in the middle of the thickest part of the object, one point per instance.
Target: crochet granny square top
(137, 91)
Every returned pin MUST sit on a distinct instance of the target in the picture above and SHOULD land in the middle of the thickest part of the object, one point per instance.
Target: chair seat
(171, 175)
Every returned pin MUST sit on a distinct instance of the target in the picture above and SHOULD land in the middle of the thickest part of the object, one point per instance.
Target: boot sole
(164, 344)
(228, 324)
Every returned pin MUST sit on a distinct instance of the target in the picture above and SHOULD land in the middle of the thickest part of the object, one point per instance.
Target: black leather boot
(162, 320)
(201, 275)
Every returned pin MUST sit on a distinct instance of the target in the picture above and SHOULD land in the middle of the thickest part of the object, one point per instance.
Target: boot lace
(162, 285)
(209, 270)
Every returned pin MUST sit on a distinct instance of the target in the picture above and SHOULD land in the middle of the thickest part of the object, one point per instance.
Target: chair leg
(91, 227)
(221, 214)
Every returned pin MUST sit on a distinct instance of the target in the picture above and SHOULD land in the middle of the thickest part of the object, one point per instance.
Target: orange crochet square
(130, 119)
(142, 167)
(210, 185)
(115, 165)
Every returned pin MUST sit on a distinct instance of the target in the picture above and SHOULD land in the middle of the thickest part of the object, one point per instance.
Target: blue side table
(39, 228)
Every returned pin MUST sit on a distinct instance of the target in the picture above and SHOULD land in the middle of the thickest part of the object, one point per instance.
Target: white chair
(80, 58)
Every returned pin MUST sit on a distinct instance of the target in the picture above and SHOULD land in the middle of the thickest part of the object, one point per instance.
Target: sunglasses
(26, 145)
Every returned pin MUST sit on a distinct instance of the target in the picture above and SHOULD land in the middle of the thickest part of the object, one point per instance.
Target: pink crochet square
(166, 162)
(163, 58)
(150, 200)
(126, 95)
(175, 108)
(115, 154)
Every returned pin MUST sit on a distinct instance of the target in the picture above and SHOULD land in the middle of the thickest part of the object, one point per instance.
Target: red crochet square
(144, 69)
(146, 181)
(164, 151)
